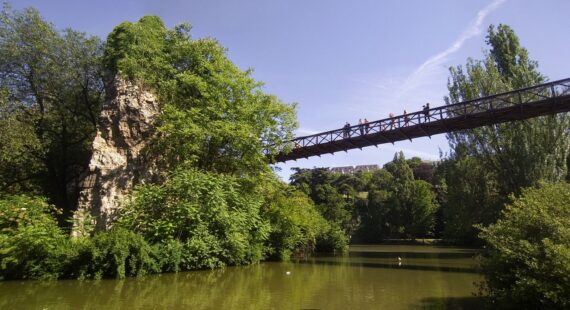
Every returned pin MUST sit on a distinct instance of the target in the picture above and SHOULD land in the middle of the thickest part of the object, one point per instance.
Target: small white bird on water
(288, 272)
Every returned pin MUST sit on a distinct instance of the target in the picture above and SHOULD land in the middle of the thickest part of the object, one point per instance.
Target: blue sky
(345, 60)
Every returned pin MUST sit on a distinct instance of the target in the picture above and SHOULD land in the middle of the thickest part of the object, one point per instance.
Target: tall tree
(215, 115)
(519, 153)
(54, 91)
(412, 205)
(492, 162)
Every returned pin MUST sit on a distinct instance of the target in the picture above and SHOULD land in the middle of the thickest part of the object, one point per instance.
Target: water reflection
(368, 278)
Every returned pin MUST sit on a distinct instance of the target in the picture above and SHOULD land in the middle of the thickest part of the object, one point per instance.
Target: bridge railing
(481, 105)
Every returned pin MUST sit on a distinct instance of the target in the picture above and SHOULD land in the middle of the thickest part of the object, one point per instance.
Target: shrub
(296, 224)
(116, 253)
(332, 239)
(527, 263)
(32, 246)
(214, 218)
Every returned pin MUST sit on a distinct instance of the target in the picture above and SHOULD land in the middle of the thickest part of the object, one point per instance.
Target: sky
(345, 60)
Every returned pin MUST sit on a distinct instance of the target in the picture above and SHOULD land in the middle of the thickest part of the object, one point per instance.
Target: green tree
(519, 153)
(54, 93)
(297, 227)
(20, 152)
(214, 114)
(471, 197)
(504, 157)
(527, 258)
(412, 205)
(332, 194)
(373, 213)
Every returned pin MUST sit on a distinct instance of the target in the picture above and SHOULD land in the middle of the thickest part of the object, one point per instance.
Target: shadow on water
(451, 255)
(459, 303)
(390, 266)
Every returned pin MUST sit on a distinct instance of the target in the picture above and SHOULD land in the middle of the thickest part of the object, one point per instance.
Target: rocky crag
(118, 162)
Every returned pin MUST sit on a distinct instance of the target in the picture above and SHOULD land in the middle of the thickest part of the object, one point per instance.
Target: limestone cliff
(118, 163)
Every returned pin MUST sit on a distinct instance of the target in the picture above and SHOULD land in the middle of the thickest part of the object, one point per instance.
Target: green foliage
(527, 262)
(138, 50)
(411, 202)
(19, 147)
(214, 114)
(330, 192)
(32, 246)
(296, 225)
(519, 153)
(116, 253)
(332, 239)
(51, 97)
(471, 198)
(216, 218)
(387, 203)
(490, 163)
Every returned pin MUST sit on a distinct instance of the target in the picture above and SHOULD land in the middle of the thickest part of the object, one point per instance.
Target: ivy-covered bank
(214, 202)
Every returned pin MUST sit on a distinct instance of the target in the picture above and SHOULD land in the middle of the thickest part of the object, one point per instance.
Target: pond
(369, 277)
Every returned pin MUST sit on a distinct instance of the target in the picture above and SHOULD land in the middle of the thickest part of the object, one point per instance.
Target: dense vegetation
(216, 201)
(376, 205)
(527, 264)
(51, 93)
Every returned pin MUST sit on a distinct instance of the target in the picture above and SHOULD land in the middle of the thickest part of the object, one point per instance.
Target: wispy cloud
(424, 83)
(306, 132)
(434, 64)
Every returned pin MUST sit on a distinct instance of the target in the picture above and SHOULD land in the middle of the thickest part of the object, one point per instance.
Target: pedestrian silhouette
(346, 130)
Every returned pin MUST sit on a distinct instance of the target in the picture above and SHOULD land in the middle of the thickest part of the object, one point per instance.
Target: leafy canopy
(215, 115)
(527, 264)
(50, 96)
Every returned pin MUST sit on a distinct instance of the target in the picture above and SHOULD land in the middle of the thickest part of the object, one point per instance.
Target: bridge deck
(544, 99)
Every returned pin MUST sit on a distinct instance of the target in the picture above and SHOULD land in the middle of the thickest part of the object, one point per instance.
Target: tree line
(503, 186)
(217, 202)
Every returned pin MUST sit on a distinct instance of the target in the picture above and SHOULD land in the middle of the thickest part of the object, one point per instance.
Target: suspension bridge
(544, 99)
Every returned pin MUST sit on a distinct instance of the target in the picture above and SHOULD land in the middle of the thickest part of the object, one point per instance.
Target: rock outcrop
(118, 162)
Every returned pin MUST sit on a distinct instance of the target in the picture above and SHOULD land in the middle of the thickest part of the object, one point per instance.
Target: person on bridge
(361, 126)
(391, 116)
(406, 118)
(366, 125)
(346, 130)
(426, 111)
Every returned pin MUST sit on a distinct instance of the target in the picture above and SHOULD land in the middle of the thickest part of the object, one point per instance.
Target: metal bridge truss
(544, 99)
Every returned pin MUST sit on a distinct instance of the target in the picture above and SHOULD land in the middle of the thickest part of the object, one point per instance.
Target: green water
(370, 277)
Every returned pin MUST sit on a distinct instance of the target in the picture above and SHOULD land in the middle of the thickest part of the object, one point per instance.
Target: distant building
(354, 169)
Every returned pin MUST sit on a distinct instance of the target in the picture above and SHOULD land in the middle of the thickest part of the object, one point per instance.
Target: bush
(332, 239)
(116, 253)
(32, 246)
(214, 219)
(297, 227)
(527, 262)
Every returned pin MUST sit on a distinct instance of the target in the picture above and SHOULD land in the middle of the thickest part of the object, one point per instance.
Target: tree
(373, 213)
(491, 162)
(519, 153)
(214, 115)
(471, 197)
(332, 193)
(54, 92)
(297, 227)
(412, 204)
(527, 259)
